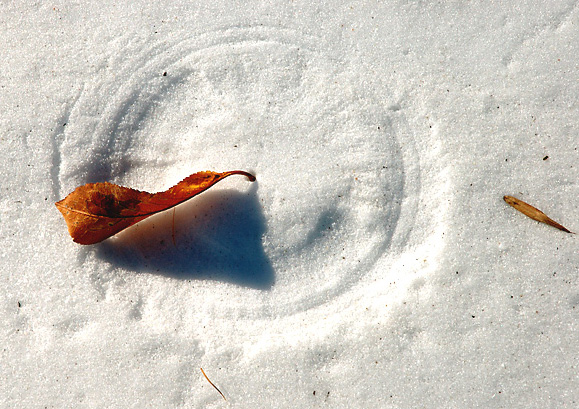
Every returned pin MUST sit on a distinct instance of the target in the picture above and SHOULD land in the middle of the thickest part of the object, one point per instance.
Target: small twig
(212, 384)
(173, 232)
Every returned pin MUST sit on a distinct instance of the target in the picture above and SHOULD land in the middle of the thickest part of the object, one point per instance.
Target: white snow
(373, 264)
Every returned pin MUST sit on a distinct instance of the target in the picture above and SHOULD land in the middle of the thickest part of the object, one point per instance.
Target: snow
(373, 264)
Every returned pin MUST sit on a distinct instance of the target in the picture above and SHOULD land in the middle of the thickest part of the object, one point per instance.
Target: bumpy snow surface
(373, 264)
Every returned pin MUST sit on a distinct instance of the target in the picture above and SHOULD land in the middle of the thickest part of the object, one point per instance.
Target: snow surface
(373, 264)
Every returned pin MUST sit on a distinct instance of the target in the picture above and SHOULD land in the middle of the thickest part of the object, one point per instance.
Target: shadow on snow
(217, 236)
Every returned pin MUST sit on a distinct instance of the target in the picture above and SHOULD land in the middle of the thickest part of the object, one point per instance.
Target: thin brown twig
(212, 384)
(173, 232)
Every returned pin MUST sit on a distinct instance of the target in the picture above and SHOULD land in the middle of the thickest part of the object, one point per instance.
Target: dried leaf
(97, 211)
(533, 212)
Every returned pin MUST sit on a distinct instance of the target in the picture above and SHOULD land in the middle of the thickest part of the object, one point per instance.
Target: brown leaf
(97, 211)
(533, 212)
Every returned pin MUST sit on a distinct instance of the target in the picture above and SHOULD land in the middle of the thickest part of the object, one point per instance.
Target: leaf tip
(509, 199)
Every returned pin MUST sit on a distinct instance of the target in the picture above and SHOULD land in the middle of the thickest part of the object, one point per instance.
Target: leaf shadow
(215, 236)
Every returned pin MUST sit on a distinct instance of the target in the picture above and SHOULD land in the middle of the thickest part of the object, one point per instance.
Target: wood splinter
(533, 212)
(212, 384)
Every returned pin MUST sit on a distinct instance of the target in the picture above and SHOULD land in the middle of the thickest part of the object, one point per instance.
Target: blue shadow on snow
(217, 236)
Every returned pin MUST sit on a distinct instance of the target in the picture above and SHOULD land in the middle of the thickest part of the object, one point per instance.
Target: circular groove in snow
(334, 165)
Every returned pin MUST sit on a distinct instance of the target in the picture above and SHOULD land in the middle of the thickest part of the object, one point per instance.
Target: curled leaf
(533, 212)
(97, 211)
